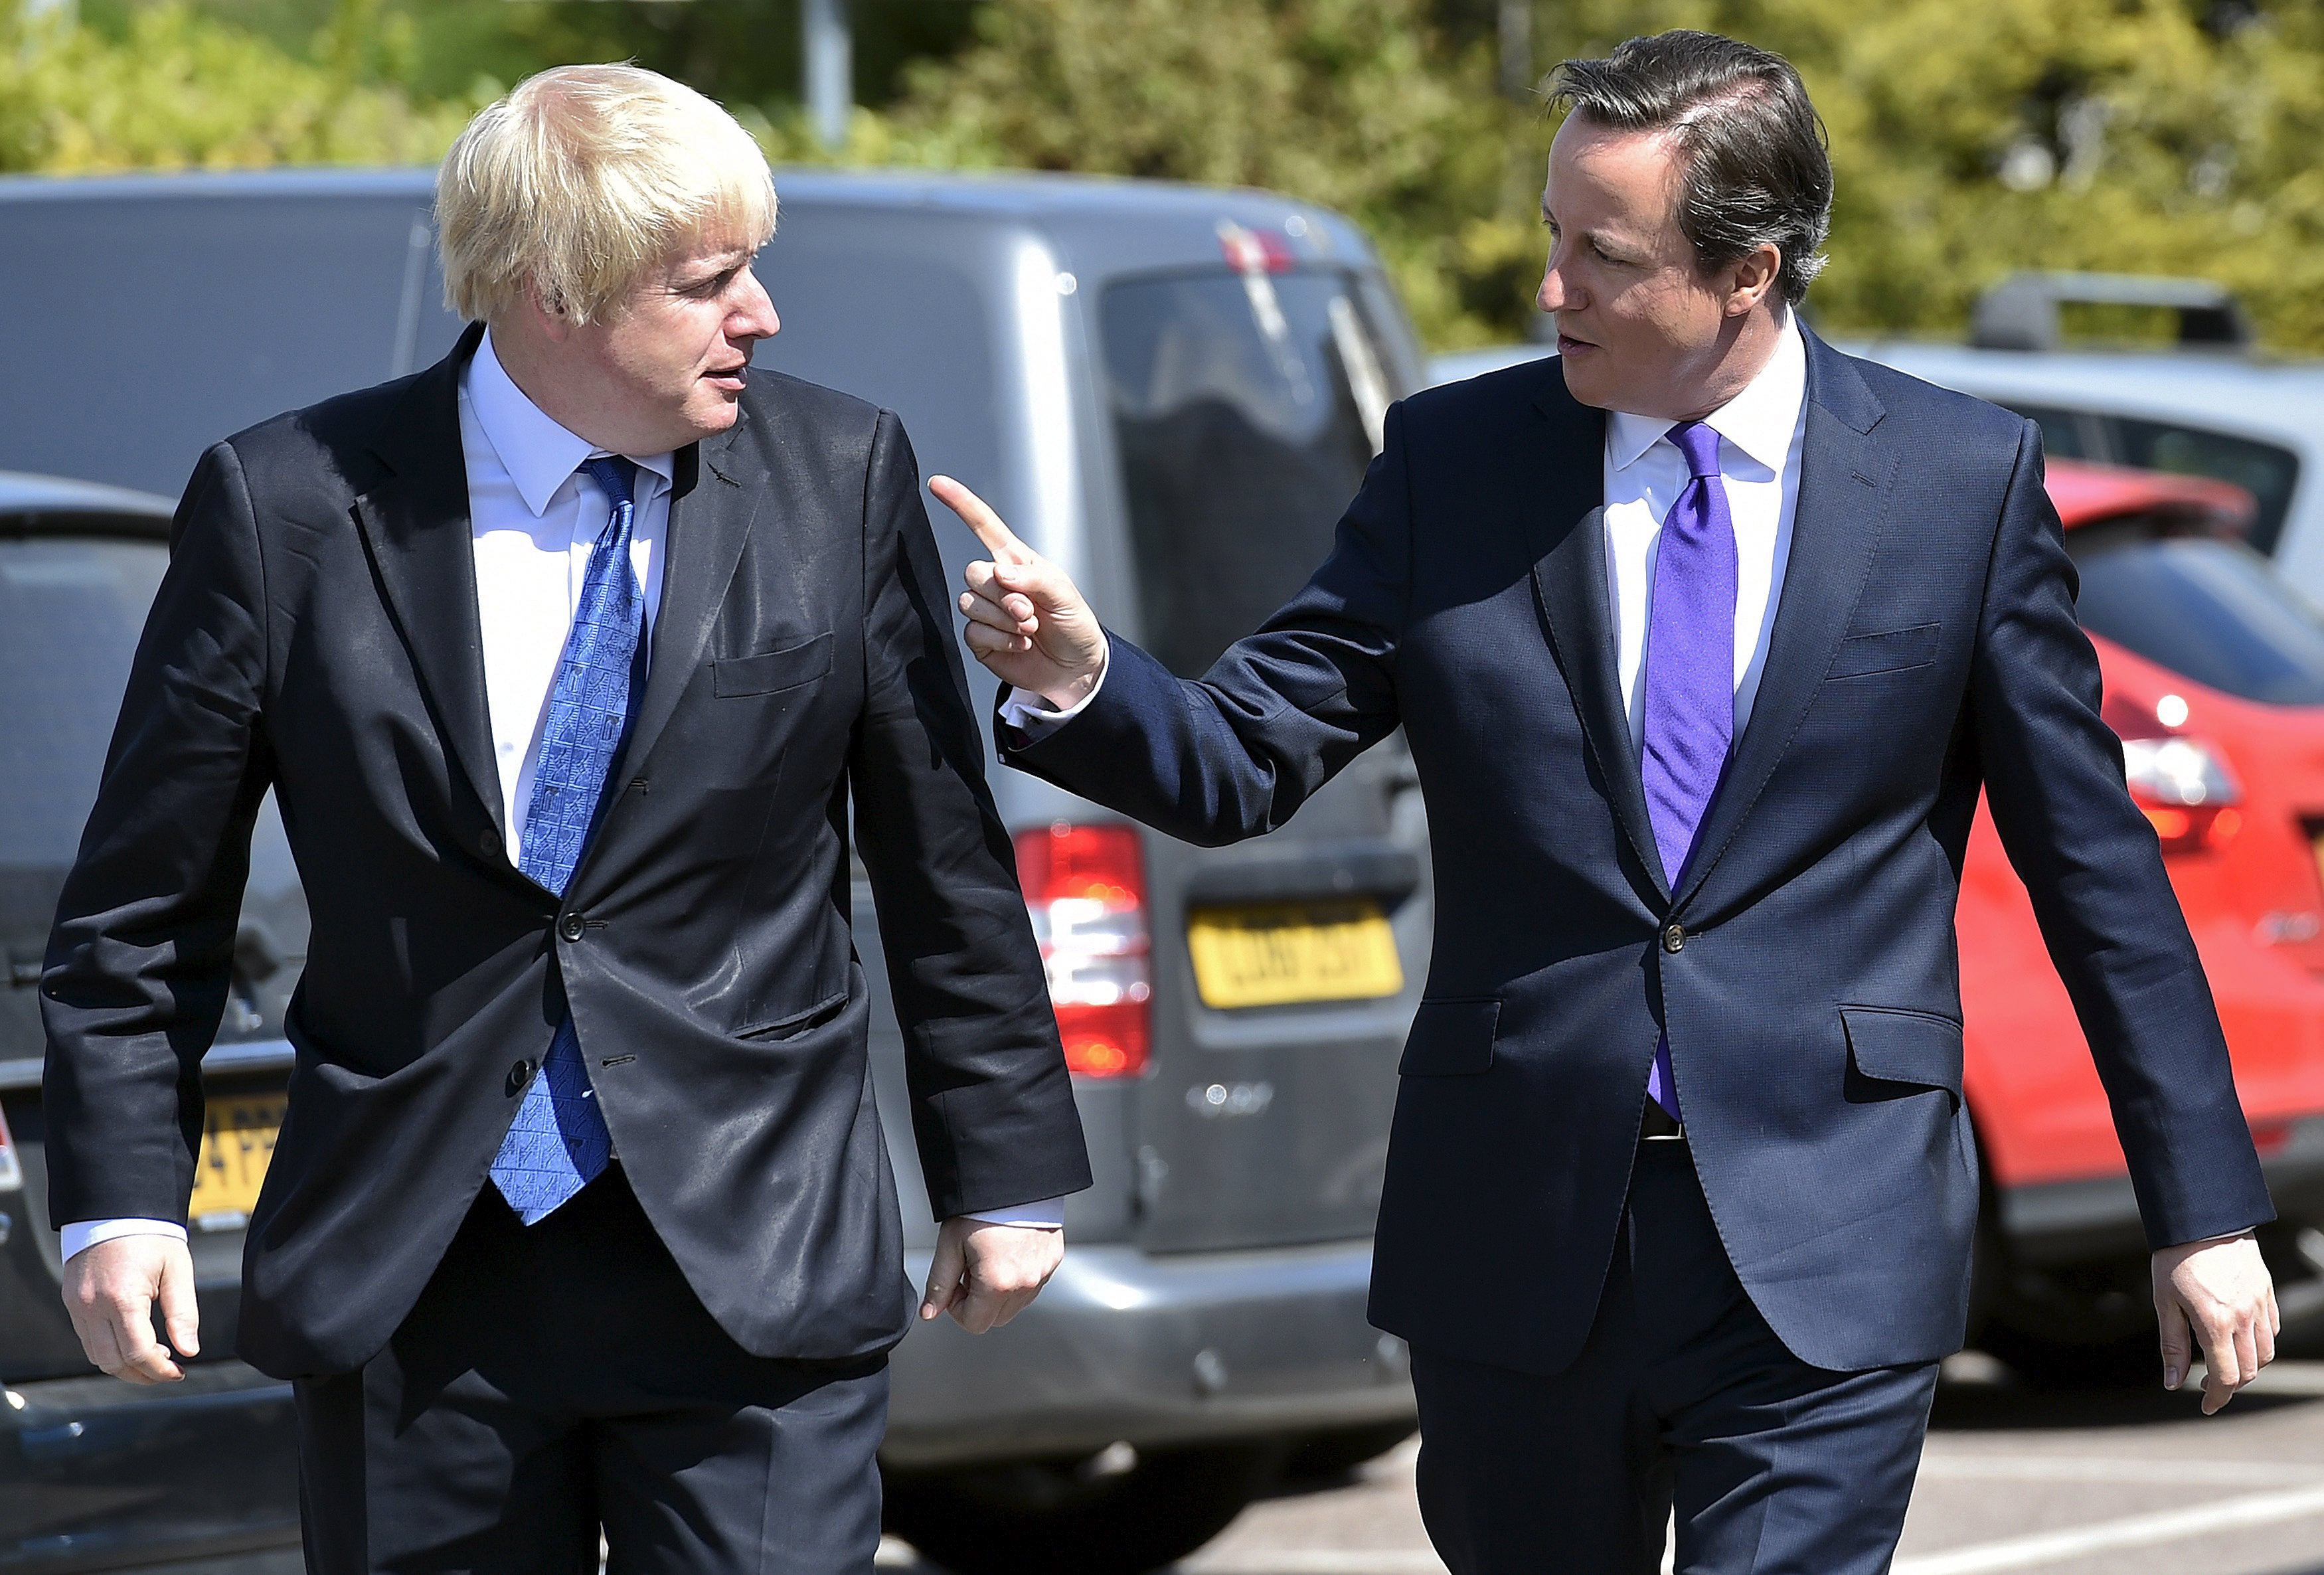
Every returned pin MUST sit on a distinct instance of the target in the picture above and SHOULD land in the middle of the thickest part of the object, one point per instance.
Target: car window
(2212, 610)
(1246, 407)
(2267, 472)
(141, 330)
(2062, 435)
(71, 608)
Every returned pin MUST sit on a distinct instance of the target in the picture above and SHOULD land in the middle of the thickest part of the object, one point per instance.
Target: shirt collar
(537, 452)
(1759, 420)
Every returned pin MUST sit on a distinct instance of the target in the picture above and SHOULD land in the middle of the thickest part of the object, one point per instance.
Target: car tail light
(1250, 251)
(1087, 888)
(12, 1169)
(2186, 789)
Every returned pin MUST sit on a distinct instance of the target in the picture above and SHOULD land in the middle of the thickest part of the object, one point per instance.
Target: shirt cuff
(1048, 1214)
(79, 1237)
(1033, 715)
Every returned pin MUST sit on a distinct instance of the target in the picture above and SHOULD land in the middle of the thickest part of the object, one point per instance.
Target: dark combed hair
(1757, 170)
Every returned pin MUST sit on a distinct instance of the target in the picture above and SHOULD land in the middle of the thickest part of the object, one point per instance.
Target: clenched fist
(985, 1273)
(110, 1291)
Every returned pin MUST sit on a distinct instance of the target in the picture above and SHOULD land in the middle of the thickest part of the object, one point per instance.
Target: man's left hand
(2220, 1290)
(985, 1273)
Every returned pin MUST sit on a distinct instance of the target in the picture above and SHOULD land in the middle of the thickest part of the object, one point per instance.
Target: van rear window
(1246, 407)
(2211, 611)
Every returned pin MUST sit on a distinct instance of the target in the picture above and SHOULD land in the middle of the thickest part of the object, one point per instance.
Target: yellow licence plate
(235, 1147)
(1284, 952)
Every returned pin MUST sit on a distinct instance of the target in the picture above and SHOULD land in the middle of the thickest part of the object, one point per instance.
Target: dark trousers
(1682, 1397)
(563, 1378)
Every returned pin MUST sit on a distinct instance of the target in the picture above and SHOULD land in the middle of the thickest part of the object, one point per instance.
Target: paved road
(2094, 1483)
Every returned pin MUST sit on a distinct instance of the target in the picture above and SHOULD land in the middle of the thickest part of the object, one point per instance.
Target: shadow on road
(1981, 1407)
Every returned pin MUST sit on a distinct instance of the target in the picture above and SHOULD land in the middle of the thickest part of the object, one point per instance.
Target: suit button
(570, 926)
(518, 1075)
(1675, 939)
(489, 843)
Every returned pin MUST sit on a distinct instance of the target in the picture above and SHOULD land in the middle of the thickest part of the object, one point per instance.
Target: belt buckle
(1660, 1126)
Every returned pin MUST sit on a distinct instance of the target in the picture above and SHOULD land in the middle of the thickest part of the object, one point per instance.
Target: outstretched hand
(1026, 621)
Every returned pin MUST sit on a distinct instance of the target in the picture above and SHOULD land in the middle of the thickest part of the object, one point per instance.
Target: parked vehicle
(2214, 675)
(1172, 391)
(2206, 404)
(95, 1473)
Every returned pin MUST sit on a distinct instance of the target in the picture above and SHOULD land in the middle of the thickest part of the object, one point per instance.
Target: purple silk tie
(1689, 710)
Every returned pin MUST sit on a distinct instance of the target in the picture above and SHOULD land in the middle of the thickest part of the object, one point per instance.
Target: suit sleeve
(2090, 861)
(142, 957)
(992, 1107)
(1236, 752)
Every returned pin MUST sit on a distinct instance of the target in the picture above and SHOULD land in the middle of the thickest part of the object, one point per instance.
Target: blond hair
(581, 180)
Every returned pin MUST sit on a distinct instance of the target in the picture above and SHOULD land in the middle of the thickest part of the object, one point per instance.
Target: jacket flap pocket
(1862, 655)
(770, 670)
(1904, 1047)
(797, 1022)
(1450, 1038)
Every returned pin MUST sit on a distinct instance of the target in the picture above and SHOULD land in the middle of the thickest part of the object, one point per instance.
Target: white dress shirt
(1760, 430)
(1760, 433)
(534, 517)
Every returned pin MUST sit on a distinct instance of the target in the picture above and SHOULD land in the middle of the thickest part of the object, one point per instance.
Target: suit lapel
(1572, 590)
(715, 495)
(416, 526)
(1835, 533)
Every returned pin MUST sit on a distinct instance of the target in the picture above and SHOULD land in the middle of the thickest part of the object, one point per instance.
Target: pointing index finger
(977, 514)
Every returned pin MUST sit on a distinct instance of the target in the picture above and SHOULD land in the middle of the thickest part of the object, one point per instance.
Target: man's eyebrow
(706, 268)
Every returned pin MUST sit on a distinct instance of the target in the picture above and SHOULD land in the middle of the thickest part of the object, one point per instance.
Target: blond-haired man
(565, 658)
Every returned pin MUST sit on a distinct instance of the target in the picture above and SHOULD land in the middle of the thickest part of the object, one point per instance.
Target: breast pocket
(1898, 651)
(771, 671)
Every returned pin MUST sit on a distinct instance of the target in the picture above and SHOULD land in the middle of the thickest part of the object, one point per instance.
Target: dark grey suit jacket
(318, 634)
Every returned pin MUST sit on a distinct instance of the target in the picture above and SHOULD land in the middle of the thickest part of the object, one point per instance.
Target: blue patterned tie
(1688, 712)
(559, 1142)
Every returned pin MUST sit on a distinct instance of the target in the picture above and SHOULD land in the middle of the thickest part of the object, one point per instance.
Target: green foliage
(1970, 137)
(1363, 105)
(181, 92)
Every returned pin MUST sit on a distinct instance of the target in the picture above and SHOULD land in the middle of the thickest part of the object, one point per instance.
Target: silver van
(1173, 391)
(2206, 401)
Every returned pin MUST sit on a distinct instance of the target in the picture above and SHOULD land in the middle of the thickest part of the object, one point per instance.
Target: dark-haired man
(1706, 638)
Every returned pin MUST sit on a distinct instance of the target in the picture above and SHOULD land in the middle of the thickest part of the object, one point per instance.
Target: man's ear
(1752, 277)
(547, 313)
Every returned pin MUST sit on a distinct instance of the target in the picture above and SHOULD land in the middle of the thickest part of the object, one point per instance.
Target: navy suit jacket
(1924, 646)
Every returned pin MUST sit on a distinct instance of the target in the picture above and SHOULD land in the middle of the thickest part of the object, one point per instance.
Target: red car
(2214, 672)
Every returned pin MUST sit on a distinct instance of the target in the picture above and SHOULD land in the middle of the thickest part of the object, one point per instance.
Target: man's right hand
(110, 1290)
(1026, 621)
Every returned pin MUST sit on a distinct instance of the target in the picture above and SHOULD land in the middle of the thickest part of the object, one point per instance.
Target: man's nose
(1551, 296)
(757, 318)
